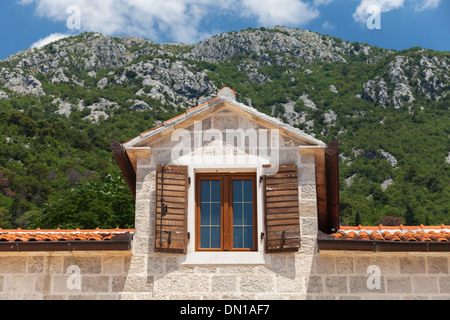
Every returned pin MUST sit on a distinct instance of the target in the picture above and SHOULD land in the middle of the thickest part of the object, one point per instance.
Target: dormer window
(223, 183)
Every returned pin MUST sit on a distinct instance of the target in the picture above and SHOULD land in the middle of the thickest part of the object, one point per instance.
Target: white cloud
(49, 39)
(280, 12)
(178, 20)
(328, 26)
(322, 2)
(366, 7)
(427, 4)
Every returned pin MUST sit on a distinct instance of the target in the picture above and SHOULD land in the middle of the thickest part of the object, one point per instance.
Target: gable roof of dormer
(225, 96)
(126, 154)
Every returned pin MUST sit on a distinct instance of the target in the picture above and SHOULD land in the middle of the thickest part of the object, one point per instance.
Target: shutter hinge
(189, 180)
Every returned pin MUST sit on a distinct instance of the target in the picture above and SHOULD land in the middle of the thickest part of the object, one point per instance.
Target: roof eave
(119, 242)
(68, 246)
(381, 246)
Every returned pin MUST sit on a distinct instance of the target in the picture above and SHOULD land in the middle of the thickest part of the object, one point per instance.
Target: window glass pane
(215, 191)
(205, 191)
(248, 214)
(238, 238)
(243, 214)
(210, 214)
(205, 237)
(215, 216)
(248, 190)
(237, 213)
(215, 237)
(205, 217)
(237, 190)
(248, 237)
(242, 237)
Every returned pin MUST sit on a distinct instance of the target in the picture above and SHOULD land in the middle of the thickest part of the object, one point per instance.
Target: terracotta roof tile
(20, 235)
(395, 233)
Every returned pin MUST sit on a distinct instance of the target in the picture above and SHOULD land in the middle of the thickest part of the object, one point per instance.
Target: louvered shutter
(282, 221)
(172, 183)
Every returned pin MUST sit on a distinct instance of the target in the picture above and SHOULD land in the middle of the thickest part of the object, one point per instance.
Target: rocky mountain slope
(389, 109)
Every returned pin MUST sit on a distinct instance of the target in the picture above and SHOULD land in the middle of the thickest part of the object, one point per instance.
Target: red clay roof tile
(395, 233)
(39, 235)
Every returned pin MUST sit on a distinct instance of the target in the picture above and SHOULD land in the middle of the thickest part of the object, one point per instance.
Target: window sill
(226, 258)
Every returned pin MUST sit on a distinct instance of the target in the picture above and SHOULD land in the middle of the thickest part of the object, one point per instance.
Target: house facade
(230, 204)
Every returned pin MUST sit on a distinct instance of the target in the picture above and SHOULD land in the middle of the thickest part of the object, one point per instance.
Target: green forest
(57, 171)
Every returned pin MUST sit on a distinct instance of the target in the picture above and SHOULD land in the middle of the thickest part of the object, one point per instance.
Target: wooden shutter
(172, 183)
(282, 221)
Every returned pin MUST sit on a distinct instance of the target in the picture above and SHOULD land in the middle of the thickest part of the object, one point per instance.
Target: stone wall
(325, 275)
(63, 275)
(402, 275)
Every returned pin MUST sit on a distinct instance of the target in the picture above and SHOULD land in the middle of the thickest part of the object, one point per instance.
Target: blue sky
(399, 24)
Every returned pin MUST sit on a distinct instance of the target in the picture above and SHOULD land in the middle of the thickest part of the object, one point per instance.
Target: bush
(105, 202)
(390, 221)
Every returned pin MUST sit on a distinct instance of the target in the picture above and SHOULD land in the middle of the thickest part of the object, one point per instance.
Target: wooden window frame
(226, 212)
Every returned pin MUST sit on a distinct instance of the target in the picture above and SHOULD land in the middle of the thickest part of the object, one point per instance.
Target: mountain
(62, 104)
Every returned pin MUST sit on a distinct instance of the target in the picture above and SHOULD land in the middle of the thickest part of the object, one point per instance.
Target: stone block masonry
(295, 276)
(54, 276)
(403, 276)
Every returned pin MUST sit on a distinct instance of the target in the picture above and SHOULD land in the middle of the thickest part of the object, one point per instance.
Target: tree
(5, 219)
(105, 202)
(390, 221)
(410, 217)
(427, 220)
(357, 219)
